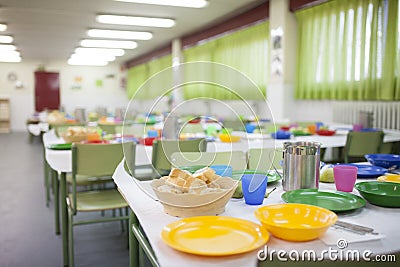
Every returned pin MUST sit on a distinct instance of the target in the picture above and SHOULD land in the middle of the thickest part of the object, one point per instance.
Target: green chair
(138, 130)
(360, 143)
(163, 150)
(264, 159)
(236, 125)
(108, 128)
(236, 159)
(96, 160)
(192, 128)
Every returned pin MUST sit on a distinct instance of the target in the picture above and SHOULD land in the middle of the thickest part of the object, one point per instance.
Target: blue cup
(222, 170)
(254, 186)
(250, 127)
(152, 133)
(319, 125)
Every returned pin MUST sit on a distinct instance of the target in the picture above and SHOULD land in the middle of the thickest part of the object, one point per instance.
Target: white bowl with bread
(202, 193)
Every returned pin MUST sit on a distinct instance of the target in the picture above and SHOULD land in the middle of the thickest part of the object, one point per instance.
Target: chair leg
(46, 182)
(133, 243)
(70, 239)
(56, 199)
(122, 221)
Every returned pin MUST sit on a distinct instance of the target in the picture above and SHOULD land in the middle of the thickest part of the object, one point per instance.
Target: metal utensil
(359, 229)
(267, 194)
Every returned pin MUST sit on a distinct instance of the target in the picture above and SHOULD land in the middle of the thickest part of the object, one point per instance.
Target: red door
(47, 90)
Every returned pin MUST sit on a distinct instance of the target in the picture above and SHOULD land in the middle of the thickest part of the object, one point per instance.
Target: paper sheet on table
(334, 235)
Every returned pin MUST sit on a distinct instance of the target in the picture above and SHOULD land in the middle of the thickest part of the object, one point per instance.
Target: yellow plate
(394, 178)
(214, 235)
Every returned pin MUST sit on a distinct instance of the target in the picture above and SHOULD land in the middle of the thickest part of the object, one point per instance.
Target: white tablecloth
(153, 219)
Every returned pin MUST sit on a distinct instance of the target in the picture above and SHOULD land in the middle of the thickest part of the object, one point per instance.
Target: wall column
(177, 59)
(283, 47)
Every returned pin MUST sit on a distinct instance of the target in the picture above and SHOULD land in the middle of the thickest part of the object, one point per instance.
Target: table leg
(64, 219)
(56, 189)
(46, 181)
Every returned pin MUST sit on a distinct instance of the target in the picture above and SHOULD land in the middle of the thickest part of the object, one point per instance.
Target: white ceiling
(50, 30)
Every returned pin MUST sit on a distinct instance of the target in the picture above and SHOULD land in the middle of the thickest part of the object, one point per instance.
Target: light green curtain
(139, 76)
(136, 77)
(346, 51)
(198, 53)
(245, 50)
(395, 8)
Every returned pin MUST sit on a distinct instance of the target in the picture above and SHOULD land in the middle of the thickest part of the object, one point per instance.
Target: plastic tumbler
(357, 127)
(222, 170)
(345, 177)
(254, 186)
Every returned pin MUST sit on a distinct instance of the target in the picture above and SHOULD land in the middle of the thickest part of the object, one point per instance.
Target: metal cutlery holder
(301, 162)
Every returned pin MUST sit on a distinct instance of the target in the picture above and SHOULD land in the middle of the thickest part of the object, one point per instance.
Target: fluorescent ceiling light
(102, 57)
(7, 47)
(127, 35)
(6, 39)
(10, 58)
(11, 53)
(137, 21)
(109, 44)
(180, 3)
(78, 62)
(3, 27)
(107, 51)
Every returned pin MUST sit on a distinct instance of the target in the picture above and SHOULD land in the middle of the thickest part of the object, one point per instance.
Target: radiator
(386, 115)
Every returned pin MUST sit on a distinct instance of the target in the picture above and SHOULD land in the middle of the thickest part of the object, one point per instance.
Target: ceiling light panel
(178, 3)
(5, 39)
(114, 34)
(136, 21)
(101, 57)
(109, 44)
(108, 51)
(3, 27)
(7, 47)
(84, 62)
(10, 58)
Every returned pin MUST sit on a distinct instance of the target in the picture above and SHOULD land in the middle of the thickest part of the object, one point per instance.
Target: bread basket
(191, 204)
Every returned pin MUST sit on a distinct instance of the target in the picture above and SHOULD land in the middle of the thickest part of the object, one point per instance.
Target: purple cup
(357, 127)
(345, 177)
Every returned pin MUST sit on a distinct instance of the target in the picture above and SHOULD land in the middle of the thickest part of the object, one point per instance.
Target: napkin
(334, 235)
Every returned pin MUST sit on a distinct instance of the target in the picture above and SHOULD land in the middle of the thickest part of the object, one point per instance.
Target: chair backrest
(264, 159)
(163, 150)
(236, 125)
(137, 130)
(236, 159)
(99, 159)
(192, 128)
(108, 128)
(360, 143)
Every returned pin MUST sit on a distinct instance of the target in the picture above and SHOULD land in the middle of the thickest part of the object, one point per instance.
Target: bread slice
(206, 174)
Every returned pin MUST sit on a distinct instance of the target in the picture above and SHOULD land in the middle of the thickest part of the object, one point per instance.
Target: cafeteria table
(152, 219)
(59, 161)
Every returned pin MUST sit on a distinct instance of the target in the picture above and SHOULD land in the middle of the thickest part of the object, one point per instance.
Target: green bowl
(383, 194)
(192, 169)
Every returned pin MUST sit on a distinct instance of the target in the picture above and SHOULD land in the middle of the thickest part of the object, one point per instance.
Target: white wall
(89, 96)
